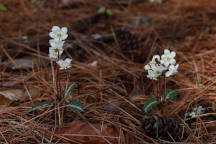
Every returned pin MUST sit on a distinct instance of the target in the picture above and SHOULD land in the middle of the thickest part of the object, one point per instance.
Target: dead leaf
(10, 95)
(21, 63)
(84, 133)
(15, 81)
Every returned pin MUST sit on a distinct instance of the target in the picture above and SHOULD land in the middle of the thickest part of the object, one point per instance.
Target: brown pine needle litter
(109, 53)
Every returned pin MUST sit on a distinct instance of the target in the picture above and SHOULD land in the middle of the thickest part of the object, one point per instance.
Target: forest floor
(109, 50)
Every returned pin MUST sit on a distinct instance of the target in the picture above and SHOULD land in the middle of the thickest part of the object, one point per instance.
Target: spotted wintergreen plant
(59, 35)
(160, 68)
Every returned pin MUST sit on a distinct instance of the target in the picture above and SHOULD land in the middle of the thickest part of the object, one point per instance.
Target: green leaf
(149, 104)
(70, 87)
(38, 106)
(170, 94)
(2, 7)
(101, 10)
(109, 12)
(74, 104)
(201, 85)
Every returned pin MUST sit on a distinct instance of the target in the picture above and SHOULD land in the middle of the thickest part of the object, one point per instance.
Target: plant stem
(165, 94)
(155, 88)
(160, 87)
(158, 90)
(58, 84)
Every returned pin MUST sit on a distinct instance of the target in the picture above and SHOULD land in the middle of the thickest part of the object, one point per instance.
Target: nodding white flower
(158, 69)
(54, 52)
(155, 71)
(58, 33)
(172, 70)
(64, 64)
(56, 44)
(155, 59)
(168, 58)
(152, 75)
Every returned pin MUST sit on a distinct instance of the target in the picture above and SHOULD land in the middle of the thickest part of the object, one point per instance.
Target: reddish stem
(58, 84)
(165, 94)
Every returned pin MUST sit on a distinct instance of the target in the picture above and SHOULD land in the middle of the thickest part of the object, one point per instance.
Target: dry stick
(4, 137)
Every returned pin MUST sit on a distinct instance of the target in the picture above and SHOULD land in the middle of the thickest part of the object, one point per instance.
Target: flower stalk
(162, 65)
(58, 36)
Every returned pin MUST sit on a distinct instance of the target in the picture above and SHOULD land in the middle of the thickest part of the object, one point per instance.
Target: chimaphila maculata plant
(58, 36)
(162, 67)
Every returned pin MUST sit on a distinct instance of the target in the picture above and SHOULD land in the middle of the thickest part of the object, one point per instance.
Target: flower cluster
(165, 63)
(196, 111)
(59, 35)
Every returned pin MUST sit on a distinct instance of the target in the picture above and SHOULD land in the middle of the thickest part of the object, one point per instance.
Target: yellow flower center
(58, 35)
(168, 58)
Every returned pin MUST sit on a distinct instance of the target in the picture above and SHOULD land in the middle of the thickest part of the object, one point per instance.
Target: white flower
(58, 33)
(192, 114)
(56, 47)
(56, 44)
(53, 52)
(151, 75)
(158, 69)
(64, 64)
(200, 110)
(168, 58)
(155, 71)
(155, 59)
(172, 70)
(147, 67)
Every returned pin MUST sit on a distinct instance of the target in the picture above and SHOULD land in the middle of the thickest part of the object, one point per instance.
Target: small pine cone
(162, 128)
(131, 45)
(128, 42)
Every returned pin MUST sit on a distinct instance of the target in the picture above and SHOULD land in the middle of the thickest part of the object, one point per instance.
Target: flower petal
(64, 29)
(68, 60)
(168, 73)
(64, 36)
(51, 34)
(173, 54)
(166, 51)
(172, 61)
(55, 28)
